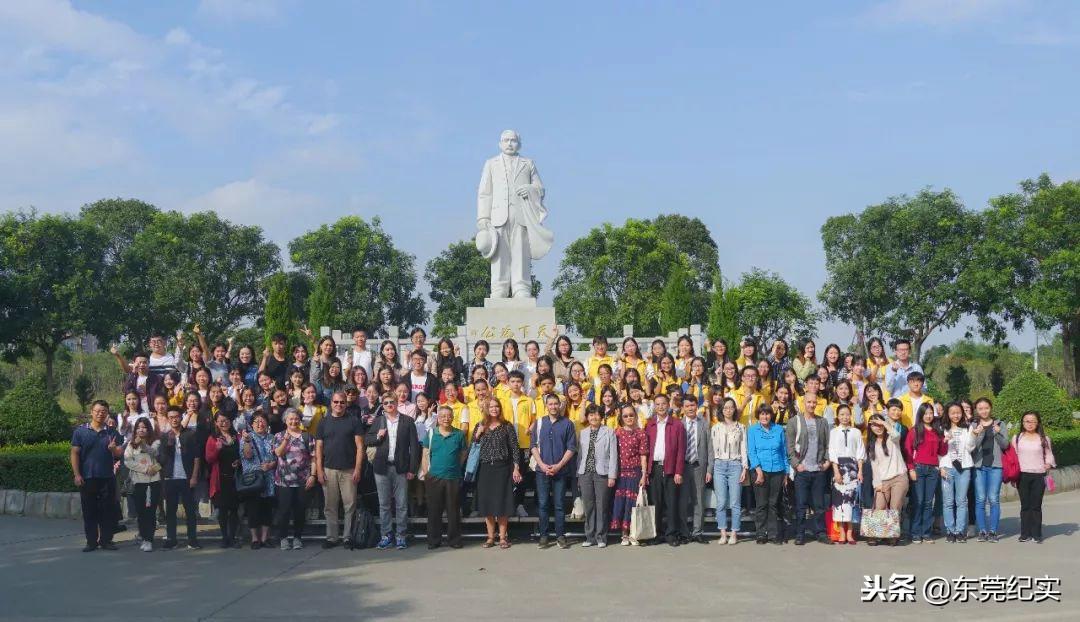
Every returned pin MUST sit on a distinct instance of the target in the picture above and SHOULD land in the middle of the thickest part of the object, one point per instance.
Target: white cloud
(178, 36)
(283, 214)
(322, 123)
(240, 10)
(58, 25)
(940, 13)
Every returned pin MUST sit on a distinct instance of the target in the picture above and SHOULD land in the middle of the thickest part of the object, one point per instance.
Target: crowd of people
(809, 445)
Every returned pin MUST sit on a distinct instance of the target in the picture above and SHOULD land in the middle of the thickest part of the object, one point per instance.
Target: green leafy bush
(29, 414)
(1031, 390)
(44, 467)
(1066, 444)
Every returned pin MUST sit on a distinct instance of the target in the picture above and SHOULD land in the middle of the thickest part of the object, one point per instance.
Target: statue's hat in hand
(487, 242)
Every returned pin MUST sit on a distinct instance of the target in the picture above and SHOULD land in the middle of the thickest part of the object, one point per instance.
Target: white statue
(509, 216)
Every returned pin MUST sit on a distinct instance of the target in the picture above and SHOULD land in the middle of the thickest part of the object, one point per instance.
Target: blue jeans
(556, 486)
(728, 492)
(987, 490)
(954, 491)
(926, 486)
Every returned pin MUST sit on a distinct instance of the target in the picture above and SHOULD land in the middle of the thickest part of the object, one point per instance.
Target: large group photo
(358, 329)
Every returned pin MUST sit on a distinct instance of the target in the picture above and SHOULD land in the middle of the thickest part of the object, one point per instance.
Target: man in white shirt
(360, 355)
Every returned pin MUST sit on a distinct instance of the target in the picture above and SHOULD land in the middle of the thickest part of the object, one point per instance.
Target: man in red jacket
(667, 457)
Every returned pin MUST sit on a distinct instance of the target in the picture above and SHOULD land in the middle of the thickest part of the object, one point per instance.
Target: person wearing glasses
(397, 459)
(339, 451)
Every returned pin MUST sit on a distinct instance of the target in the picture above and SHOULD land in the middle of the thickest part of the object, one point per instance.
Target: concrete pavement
(44, 575)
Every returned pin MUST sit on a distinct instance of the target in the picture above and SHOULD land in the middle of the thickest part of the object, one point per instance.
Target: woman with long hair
(388, 358)
(666, 376)
(497, 473)
(876, 361)
(608, 408)
(805, 362)
(358, 378)
(223, 458)
(629, 378)
(511, 356)
(783, 405)
(657, 350)
(561, 351)
(729, 467)
(1036, 457)
(766, 384)
(630, 357)
(330, 381)
(873, 401)
(955, 471)
(633, 470)
(696, 386)
(990, 442)
(844, 395)
(684, 350)
(924, 447)
(729, 377)
(141, 460)
(445, 356)
(886, 459)
(778, 359)
(846, 454)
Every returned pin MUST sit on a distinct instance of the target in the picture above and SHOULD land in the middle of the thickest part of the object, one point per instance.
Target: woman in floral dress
(633, 448)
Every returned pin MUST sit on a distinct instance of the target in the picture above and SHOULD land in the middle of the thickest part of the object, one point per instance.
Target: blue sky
(762, 119)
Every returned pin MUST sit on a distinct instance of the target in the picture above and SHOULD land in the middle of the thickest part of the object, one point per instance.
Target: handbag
(880, 524)
(253, 481)
(642, 518)
(1010, 465)
(425, 457)
(1050, 485)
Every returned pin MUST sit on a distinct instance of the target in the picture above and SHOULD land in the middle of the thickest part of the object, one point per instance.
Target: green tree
(29, 414)
(613, 276)
(723, 314)
(691, 237)
(374, 283)
(1029, 265)
(769, 308)
(459, 278)
(320, 304)
(904, 267)
(278, 317)
(675, 301)
(1032, 391)
(52, 268)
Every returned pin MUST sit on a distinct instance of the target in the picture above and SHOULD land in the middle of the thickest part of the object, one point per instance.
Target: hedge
(1066, 444)
(29, 414)
(44, 467)
(1031, 390)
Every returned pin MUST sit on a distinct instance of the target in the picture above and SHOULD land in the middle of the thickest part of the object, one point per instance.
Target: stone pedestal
(509, 318)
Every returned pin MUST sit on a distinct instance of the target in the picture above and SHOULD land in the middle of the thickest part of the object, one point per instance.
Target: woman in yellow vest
(579, 377)
(697, 387)
(609, 408)
(766, 383)
(665, 377)
(729, 377)
(631, 377)
(876, 362)
(874, 401)
(631, 358)
(746, 396)
(575, 406)
(684, 348)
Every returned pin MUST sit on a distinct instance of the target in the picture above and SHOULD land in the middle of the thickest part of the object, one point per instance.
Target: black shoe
(872, 542)
(700, 539)
(329, 544)
(256, 545)
(824, 539)
(961, 538)
(226, 544)
(169, 545)
(237, 543)
(107, 546)
(1037, 540)
(981, 537)
(950, 538)
(800, 541)
(778, 541)
(673, 541)
(761, 540)
(561, 541)
(120, 527)
(433, 545)
(89, 548)
(1025, 538)
(542, 543)
(347, 543)
(455, 545)
(193, 545)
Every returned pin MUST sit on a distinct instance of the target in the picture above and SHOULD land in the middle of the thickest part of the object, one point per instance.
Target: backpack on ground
(365, 529)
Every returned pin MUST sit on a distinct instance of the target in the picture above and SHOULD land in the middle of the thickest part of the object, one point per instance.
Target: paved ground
(44, 575)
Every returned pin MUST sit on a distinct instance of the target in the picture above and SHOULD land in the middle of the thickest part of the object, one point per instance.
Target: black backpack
(365, 530)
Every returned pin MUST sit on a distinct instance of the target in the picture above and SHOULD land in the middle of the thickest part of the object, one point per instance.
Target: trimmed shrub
(29, 414)
(1031, 390)
(44, 467)
(1066, 444)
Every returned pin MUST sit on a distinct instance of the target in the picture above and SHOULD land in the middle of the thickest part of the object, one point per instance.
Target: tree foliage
(691, 238)
(1029, 264)
(903, 267)
(675, 301)
(613, 276)
(52, 268)
(723, 314)
(320, 304)
(278, 317)
(769, 308)
(29, 414)
(459, 278)
(1032, 390)
(373, 282)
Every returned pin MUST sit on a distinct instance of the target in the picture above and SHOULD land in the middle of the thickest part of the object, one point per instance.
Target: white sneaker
(625, 541)
(586, 544)
(146, 546)
(521, 511)
(634, 542)
(286, 544)
(732, 539)
(297, 544)
(601, 545)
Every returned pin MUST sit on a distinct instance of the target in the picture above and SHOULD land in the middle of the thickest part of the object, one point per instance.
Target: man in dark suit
(696, 475)
(397, 459)
(667, 459)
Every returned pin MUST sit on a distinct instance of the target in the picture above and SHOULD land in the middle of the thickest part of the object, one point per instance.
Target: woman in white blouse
(729, 464)
(955, 467)
(846, 453)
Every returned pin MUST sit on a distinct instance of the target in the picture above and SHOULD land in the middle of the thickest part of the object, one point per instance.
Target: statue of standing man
(509, 219)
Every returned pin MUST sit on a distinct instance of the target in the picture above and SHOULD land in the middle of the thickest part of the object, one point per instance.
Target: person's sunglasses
(337, 402)
(388, 403)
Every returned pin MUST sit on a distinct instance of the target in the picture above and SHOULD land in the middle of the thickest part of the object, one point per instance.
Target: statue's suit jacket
(495, 195)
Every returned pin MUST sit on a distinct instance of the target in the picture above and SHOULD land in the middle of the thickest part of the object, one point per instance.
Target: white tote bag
(642, 518)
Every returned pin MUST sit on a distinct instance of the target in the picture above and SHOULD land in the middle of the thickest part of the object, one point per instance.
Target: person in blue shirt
(896, 375)
(767, 454)
(94, 447)
(554, 443)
